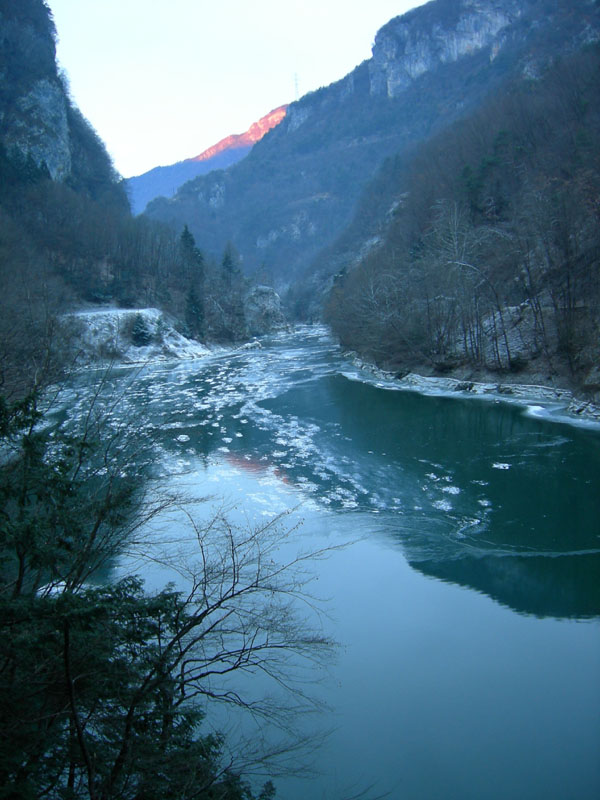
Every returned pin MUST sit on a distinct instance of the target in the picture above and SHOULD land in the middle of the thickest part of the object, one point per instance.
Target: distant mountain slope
(298, 188)
(165, 181)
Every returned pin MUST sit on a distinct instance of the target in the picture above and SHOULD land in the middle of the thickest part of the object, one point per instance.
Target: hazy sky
(162, 80)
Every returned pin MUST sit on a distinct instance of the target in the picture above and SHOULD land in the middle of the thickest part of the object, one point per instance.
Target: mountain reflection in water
(462, 511)
(480, 494)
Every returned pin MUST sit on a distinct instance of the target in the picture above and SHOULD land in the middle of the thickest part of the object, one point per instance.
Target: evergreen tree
(141, 335)
(194, 313)
(229, 266)
(193, 260)
(194, 275)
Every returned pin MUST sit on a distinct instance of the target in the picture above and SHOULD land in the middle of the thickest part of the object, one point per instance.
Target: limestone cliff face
(262, 310)
(37, 119)
(38, 127)
(416, 43)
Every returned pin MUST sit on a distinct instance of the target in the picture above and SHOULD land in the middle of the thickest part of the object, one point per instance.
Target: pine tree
(194, 313)
(141, 335)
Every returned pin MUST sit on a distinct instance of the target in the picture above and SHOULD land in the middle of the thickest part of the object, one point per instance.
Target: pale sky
(162, 80)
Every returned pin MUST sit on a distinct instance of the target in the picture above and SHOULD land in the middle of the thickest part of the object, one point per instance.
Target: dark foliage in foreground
(103, 688)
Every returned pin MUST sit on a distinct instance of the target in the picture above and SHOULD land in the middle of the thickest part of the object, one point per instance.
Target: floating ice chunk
(500, 465)
(182, 438)
(485, 503)
(536, 411)
(443, 505)
(451, 489)
(349, 504)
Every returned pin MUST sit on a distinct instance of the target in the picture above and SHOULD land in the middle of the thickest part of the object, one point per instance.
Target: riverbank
(553, 399)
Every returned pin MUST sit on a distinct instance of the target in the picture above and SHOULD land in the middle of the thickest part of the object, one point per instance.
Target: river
(467, 606)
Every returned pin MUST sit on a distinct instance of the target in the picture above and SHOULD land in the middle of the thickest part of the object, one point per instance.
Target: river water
(467, 607)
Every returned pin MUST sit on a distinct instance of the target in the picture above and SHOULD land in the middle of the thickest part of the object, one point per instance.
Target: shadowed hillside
(298, 188)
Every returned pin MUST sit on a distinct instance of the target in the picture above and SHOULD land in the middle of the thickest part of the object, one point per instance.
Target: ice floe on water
(542, 402)
(231, 423)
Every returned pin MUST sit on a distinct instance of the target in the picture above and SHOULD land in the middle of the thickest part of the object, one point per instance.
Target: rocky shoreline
(557, 401)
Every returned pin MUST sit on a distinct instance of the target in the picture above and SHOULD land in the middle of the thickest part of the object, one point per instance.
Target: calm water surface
(467, 609)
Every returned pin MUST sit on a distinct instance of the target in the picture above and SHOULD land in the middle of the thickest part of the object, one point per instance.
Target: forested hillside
(489, 258)
(297, 190)
(67, 237)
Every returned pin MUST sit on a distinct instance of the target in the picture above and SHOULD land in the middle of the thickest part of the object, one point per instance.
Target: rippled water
(468, 606)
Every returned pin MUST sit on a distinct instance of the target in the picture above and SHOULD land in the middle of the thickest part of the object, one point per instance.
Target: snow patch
(109, 335)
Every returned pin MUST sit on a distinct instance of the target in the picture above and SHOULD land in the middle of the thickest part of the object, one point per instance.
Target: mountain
(164, 181)
(67, 235)
(60, 199)
(39, 125)
(298, 189)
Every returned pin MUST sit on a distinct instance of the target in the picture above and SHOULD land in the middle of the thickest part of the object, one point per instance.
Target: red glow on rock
(254, 134)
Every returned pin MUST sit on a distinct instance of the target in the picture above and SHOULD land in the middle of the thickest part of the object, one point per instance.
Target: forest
(487, 260)
(63, 247)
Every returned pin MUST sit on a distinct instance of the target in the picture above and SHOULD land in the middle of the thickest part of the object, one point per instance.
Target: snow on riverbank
(129, 336)
(546, 401)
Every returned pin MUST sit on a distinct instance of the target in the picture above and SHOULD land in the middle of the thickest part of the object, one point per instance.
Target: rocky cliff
(298, 188)
(39, 124)
(441, 33)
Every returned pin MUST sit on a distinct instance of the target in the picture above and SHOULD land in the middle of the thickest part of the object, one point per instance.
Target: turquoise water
(467, 607)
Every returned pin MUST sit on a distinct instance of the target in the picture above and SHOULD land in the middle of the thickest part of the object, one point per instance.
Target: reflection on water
(473, 492)
(479, 494)
(441, 691)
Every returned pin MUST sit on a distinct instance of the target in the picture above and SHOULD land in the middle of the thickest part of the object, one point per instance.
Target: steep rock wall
(38, 121)
(38, 127)
(411, 45)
